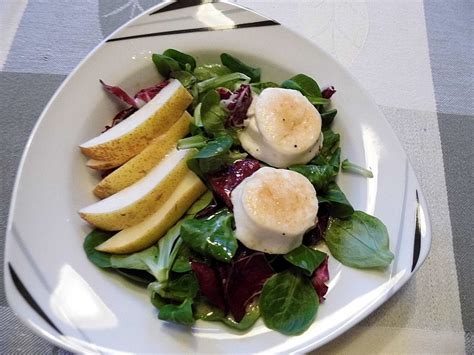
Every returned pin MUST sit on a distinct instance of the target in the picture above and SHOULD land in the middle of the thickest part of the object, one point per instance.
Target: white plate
(57, 292)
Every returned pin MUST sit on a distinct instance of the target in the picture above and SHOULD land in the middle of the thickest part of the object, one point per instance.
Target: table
(415, 58)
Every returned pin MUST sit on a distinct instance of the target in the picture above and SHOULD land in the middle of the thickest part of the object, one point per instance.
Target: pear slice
(137, 167)
(134, 203)
(132, 135)
(149, 231)
(103, 164)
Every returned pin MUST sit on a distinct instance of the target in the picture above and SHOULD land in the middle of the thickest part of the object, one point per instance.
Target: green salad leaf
(165, 65)
(143, 260)
(306, 258)
(200, 204)
(327, 118)
(179, 289)
(139, 276)
(181, 314)
(168, 248)
(157, 300)
(305, 84)
(213, 115)
(335, 160)
(330, 143)
(319, 175)
(186, 61)
(228, 81)
(205, 311)
(197, 141)
(185, 78)
(259, 87)
(181, 263)
(93, 239)
(236, 65)
(360, 241)
(251, 316)
(213, 237)
(339, 206)
(208, 71)
(321, 171)
(212, 157)
(288, 303)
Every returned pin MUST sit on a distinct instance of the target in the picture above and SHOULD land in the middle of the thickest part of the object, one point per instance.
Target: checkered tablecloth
(415, 57)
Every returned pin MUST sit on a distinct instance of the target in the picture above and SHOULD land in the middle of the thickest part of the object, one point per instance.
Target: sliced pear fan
(150, 230)
(137, 167)
(132, 135)
(134, 203)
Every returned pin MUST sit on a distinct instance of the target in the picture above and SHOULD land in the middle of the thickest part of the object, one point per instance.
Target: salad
(218, 190)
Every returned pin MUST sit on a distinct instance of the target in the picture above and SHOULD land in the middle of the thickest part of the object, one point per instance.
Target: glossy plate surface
(56, 291)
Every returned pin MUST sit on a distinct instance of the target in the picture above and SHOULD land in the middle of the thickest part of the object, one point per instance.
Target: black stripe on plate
(199, 29)
(181, 4)
(29, 299)
(417, 242)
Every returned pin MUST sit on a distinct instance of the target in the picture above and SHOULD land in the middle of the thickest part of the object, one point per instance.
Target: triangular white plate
(57, 292)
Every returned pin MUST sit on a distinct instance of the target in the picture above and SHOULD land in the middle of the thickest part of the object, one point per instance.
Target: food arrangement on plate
(218, 191)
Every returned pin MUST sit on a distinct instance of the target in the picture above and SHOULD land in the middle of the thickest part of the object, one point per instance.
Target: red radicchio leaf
(315, 235)
(238, 104)
(119, 93)
(224, 93)
(119, 117)
(140, 98)
(319, 279)
(328, 92)
(244, 280)
(145, 95)
(223, 183)
(209, 284)
(208, 211)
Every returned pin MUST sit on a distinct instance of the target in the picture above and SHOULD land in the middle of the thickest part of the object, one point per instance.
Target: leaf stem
(192, 142)
(348, 166)
(220, 80)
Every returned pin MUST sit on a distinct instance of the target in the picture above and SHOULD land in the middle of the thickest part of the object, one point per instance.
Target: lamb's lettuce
(319, 175)
(360, 241)
(212, 157)
(303, 83)
(186, 61)
(327, 117)
(208, 71)
(339, 206)
(288, 303)
(212, 237)
(181, 314)
(213, 115)
(306, 258)
(229, 81)
(236, 65)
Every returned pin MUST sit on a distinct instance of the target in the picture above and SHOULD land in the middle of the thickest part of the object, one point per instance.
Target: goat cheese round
(283, 128)
(273, 208)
